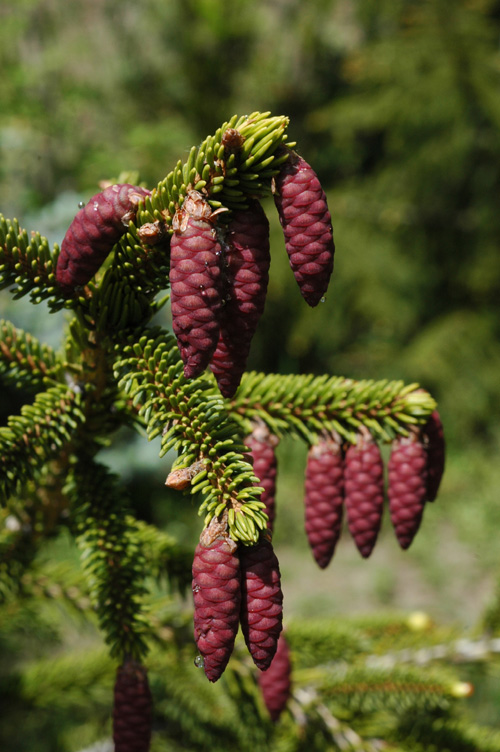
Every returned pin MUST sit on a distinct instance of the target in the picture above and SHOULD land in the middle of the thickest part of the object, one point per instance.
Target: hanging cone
(364, 493)
(407, 489)
(217, 597)
(261, 601)
(247, 274)
(196, 283)
(262, 444)
(132, 710)
(324, 498)
(96, 228)
(307, 227)
(275, 683)
(433, 435)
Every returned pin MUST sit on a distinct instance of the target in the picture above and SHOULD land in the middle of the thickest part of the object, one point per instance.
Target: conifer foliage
(202, 234)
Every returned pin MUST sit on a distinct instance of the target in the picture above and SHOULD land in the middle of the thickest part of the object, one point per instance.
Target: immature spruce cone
(364, 493)
(217, 597)
(262, 444)
(247, 275)
(261, 601)
(407, 488)
(324, 497)
(196, 283)
(307, 227)
(132, 710)
(96, 228)
(275, 683)
(434, 435)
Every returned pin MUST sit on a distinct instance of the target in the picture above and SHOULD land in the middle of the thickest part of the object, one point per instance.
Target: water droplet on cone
(199, 662)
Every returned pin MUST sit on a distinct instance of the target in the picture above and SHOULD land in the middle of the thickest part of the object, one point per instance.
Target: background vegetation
(395, 103)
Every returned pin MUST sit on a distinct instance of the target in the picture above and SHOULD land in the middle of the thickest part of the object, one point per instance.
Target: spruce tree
(354, 685)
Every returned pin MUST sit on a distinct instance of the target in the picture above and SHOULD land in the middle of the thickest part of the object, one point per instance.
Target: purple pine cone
(247, 272)
(217, 597)
(407, 489)
(96, 228)
(364, 493)
(324, 498)
(307, 227)
(132, 709)
(261, 601)
(275, 683)
(196, 284)
(433, 434)
(262, 444)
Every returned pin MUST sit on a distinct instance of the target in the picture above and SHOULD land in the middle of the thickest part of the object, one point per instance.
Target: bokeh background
(396, 105)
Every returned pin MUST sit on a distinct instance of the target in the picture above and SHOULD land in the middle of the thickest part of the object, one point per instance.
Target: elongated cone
(132, 710)
(364, 493)
(247, 275)
(307, 227)
(217, 598)
(275, 683)
(433, 435)
(196, 284)
(262, 444)
(96, 228)
(261, 614)
(407, 488)
(324, 499)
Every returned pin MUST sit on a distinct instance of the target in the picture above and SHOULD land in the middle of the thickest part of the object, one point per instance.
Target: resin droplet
(81, 204)
(199, 662)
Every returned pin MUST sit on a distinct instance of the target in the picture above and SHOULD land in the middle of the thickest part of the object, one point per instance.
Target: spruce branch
(226, 171)
(112, 557)
(366, 691)
(24, 361)
(306, 405)
(27, 265)
(36, 436)
(192, 419)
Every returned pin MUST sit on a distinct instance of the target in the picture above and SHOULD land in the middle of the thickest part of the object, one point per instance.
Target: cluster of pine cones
(219, 272)
(354, 478)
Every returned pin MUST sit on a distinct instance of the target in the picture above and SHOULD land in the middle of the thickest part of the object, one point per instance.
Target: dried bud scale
(96, 228)
(324, 498)
(217, 597)
(307, 227)
(364, 492)
(247, 274)
(261, 601)
(132, 709)
(433, 434)
(262, 444)
(407, 488)
(196, 283)
(275, 683)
